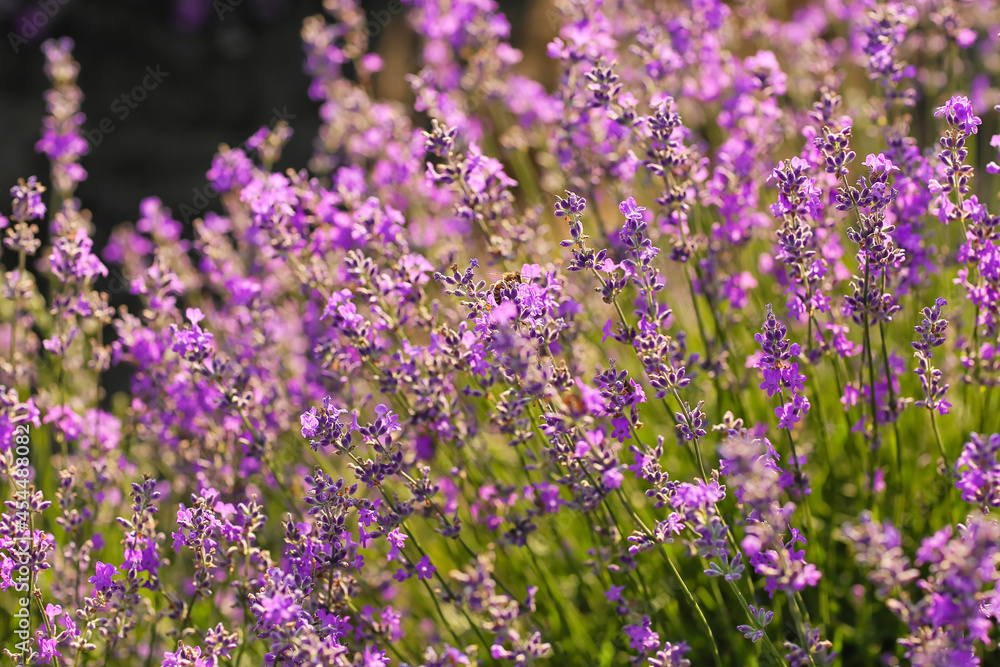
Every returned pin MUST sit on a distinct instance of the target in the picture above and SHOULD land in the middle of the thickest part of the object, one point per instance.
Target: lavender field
(679, 348)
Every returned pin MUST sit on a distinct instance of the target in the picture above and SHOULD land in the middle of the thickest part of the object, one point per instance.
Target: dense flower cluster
(502, 377)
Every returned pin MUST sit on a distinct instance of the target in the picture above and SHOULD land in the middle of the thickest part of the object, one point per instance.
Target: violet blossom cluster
(751, 466)
(954, 607)
(780, 372)
(429, 401)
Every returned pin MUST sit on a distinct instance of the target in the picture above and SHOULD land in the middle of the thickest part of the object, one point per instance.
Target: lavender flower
(488, 476)
(763, 617)
(780, 372)
(931, 331)
(324, 429)
(978, 470)
(962, 123)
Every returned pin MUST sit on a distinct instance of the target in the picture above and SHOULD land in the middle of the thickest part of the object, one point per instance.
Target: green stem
(947, 466)
(768, 644)
(900, 485)
(987, 400)
(871, 368)
(680, 580)
(437, 575)
(793, 604)
(795, 456)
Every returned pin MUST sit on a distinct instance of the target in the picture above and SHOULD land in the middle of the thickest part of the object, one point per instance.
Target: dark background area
(225, 77)
(229, 65)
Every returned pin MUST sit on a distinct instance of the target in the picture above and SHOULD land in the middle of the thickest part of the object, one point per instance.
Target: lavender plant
(515, 374)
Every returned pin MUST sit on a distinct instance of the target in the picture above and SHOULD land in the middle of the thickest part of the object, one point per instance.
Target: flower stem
(947, 465)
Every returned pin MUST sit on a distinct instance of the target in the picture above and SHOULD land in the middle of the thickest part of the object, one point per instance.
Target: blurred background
(228, 66)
